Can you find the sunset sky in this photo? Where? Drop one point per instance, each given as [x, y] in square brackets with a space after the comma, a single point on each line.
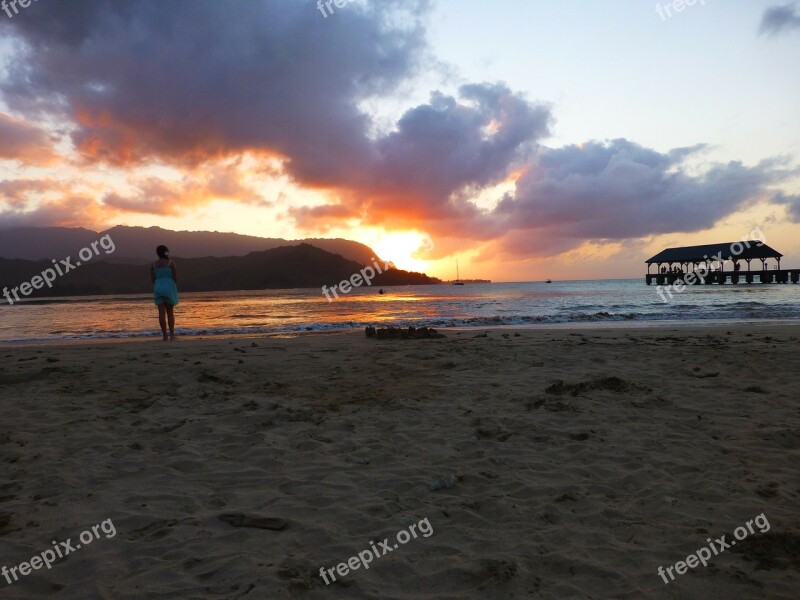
[527, 139]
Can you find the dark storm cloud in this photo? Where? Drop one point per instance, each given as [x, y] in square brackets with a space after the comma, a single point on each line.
[153, 79]
[441, 148]
[792, 204]
[184, 81]
[780, 18]
[438, 154]
[620, 190]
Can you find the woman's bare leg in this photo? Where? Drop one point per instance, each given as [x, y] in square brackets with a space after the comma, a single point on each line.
[162, 319]
[171, 315]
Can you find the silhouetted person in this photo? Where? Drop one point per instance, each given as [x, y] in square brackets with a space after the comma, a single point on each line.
[164, 276]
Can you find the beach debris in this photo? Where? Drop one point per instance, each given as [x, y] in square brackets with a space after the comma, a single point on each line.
[253, 522]
[445, 483]
[410, 333]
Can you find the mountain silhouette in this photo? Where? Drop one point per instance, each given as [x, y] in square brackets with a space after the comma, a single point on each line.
[139, 243]
[301, 266]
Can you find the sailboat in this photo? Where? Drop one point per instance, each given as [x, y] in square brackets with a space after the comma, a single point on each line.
[458, 277]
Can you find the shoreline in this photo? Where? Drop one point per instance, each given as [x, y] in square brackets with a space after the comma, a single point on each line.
[576, 327]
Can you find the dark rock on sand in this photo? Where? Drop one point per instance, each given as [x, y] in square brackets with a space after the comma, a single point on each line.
[411, 333]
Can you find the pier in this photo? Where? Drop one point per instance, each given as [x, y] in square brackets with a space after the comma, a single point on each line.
[719, 264]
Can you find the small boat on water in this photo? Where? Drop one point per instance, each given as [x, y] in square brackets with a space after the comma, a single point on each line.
[458, 277]
[549, 281]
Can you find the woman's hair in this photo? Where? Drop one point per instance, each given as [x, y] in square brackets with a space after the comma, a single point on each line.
[162, 251]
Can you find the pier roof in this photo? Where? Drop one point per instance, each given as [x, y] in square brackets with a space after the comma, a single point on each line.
[744, 250]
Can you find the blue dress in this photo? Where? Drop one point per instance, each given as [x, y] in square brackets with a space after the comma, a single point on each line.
[164, 289]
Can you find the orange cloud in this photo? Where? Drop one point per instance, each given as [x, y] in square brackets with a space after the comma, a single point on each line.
[210, 182]
[70, 211]
[23, 142]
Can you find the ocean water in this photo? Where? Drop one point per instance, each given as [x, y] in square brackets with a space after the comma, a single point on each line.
[533, 304]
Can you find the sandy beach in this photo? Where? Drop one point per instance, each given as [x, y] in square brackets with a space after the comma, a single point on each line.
[548, 464]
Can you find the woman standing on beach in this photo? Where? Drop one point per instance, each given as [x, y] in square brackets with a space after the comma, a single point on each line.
[164, 276]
